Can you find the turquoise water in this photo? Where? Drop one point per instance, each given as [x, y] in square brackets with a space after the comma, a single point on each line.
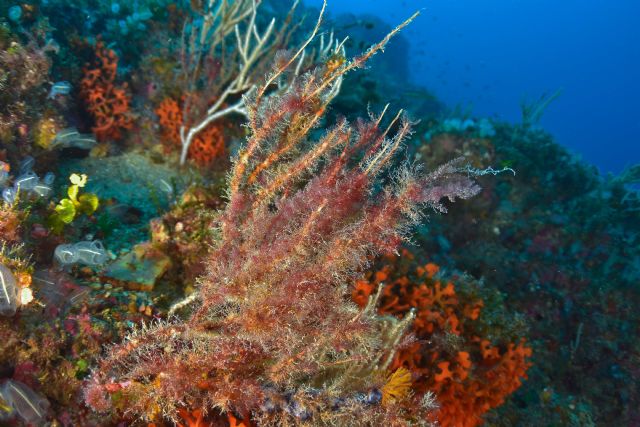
[487, 56]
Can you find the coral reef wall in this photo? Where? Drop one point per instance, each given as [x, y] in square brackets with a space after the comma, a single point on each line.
[197, 228]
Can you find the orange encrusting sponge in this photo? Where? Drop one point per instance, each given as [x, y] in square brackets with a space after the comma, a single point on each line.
[468, 381]
[107, 103]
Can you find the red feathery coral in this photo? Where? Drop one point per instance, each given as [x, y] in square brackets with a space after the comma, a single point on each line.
[272, 334]
[470, 376]
[107, 103]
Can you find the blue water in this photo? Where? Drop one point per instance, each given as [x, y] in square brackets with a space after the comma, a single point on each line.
[486, 55]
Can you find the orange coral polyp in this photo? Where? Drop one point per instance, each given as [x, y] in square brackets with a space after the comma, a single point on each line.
[234, 422]
[107, 103]
[170, 119]
[205, 148]
[431, 269]
[444, 373]
[468, 382]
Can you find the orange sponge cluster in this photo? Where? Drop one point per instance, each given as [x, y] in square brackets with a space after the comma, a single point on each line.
[207, 146]
[469, 375]
[107, 103]
[170, 118]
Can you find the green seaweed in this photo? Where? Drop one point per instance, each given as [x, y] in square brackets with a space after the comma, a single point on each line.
[72, 206]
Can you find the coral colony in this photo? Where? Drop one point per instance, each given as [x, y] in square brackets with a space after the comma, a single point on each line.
[197, 230]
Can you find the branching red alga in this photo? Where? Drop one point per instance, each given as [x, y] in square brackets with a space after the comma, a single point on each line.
[273, 338]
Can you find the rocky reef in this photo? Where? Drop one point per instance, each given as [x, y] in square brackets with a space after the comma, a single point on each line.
[201, 225]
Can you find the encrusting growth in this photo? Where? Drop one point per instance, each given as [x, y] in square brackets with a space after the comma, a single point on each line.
[274, 338]
[205, 148]
[107, 102]
[451, 358]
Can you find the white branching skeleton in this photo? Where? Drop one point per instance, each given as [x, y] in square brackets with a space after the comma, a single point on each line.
[228, 31]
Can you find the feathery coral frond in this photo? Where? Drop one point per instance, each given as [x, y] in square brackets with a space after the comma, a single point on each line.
[273, 333]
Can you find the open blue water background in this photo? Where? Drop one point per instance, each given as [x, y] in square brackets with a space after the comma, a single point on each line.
[486, 55]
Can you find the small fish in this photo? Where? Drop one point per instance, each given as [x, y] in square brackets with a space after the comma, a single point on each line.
[59, 88]
[85, 142]
[166, 187]
[72, 138]
[67, 133]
